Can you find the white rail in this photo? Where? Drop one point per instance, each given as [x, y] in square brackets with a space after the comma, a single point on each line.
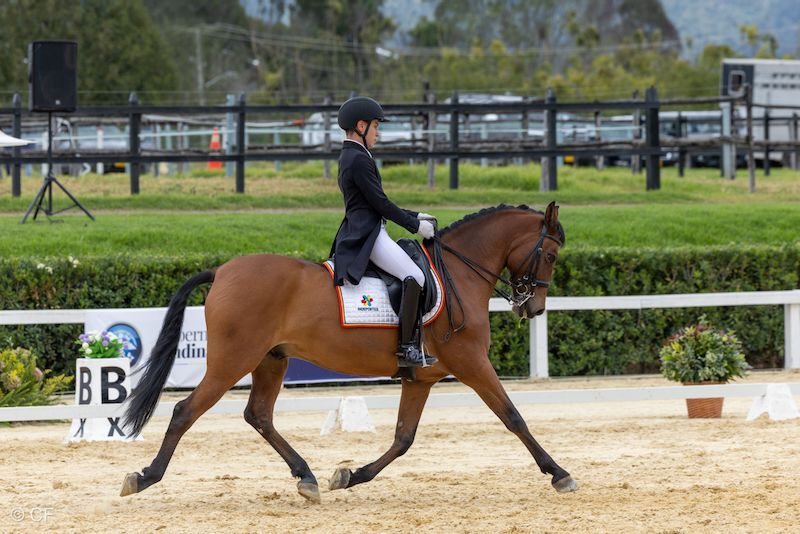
[441, 400]
[790, 300]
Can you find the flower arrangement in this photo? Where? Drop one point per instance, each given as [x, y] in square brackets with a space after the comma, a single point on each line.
[100, 345]
[24, 384]
[701, 353]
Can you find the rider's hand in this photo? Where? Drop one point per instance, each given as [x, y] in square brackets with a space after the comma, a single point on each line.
[425, 217]
[425, 229]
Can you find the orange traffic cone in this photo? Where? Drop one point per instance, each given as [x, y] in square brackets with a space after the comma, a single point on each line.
[214, 145]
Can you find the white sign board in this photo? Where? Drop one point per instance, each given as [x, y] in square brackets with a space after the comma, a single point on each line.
[139, 328]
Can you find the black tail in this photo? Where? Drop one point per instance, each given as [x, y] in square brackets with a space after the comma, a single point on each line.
[144, 398]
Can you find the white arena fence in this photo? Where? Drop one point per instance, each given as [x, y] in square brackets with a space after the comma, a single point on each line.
[790, 300]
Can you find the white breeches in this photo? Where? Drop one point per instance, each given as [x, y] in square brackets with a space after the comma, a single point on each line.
[388, 255]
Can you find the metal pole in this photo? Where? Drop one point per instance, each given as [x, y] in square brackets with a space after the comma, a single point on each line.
[16, 131]
[240, 148]
[766, 141]
[549, 179]
[636, 160]
[751, 162]
[431, 142]
[198, 61]
[454, 143]
[326, 164]
[652, 140]
[133, 143]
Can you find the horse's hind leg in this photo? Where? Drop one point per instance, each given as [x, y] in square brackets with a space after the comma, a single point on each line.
[185, 413]
[412, 401]
[267, 380]
[483, 379]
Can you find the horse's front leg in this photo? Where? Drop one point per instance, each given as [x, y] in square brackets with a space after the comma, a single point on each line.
[412, 401]
[483, 379]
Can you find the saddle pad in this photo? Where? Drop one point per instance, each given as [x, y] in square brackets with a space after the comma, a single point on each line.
[367, 305]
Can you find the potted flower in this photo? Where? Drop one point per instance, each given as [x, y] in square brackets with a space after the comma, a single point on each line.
[99, 345]
[702, 354]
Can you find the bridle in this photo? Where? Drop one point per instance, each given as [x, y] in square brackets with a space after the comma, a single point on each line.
[523, 288]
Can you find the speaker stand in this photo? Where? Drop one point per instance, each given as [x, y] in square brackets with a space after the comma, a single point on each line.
[46, 191]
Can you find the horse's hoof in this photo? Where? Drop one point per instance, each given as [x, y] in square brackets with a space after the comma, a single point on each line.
[566, 484]
[130, 484]
[310, 491]
[340, 479]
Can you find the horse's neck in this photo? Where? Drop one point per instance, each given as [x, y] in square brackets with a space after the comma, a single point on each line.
[485, 242]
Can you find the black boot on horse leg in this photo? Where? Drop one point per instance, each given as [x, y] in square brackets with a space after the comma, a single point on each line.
[409, 353]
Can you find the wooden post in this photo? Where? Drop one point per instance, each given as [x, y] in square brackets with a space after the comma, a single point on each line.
[431, 141]
[652, 140]
[134, 127]
[636, 160]
[793, 156]
[599, 161]
[751, 161]
[16, 131]
[549, 179]
[230, 101]
[766, 142]
[240, 142]
[681, 150]
[525, 127]
[454, 143]
[326, 164]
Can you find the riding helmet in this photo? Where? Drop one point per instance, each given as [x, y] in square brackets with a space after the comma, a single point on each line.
[359, 108]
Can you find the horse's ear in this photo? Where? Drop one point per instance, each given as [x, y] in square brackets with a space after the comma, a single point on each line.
[551, 215]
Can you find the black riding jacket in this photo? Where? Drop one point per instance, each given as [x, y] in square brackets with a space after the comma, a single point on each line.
[366, 207]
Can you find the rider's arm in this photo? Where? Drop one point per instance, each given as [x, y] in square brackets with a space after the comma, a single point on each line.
[368, 182]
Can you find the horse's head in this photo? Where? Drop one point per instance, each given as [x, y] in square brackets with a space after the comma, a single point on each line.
[531, 261]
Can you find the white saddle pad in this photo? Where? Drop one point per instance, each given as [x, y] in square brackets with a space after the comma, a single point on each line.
[367, 304]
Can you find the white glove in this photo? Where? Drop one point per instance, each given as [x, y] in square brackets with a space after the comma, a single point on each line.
[425, 216]
[425, 229]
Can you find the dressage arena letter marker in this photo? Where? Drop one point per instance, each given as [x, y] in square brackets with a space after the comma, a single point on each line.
[101, 381]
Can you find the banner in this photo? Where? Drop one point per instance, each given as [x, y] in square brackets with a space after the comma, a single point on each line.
[139, 328]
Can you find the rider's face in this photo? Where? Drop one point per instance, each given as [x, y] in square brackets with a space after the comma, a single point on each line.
[372, 134]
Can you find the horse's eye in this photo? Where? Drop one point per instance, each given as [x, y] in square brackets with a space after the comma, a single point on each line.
[551, 258]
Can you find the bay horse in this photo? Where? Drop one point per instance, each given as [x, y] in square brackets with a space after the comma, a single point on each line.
[262, 309]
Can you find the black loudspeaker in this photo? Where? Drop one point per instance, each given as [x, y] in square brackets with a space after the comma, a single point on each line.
[53, 75]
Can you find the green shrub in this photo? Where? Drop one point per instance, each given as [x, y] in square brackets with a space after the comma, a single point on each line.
[24, 384]
[701, 353]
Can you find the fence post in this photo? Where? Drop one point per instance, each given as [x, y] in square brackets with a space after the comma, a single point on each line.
[240, 148]
[134, 126]
[16, 131]
[326, 164]
[454, 142]
[538, 360]
[794, 160]
[652, 140]
[230, 101]
[599, 161]
[549, 179]
[681, 149]
[766, 142]
[751, 161]
[791, 329]
[431, 141]
[526, 124]
[636, 160]
[728, 165]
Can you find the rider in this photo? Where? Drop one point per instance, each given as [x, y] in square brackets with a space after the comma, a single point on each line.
[362, 235]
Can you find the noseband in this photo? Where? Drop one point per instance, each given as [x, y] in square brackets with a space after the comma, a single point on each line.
[524, 287]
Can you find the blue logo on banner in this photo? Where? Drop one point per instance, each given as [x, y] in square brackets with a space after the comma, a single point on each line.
[131, 340]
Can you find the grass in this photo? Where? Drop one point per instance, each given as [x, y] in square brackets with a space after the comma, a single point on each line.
[302, 186]
[308, 234]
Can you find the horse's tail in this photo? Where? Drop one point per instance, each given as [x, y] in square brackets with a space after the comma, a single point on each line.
[142, 402]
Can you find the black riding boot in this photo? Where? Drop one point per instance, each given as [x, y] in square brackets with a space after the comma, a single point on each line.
[408, 351]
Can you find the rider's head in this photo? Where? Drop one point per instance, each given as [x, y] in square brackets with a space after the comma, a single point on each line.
[359, 117]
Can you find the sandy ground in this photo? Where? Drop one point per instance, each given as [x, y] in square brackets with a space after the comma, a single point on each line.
[642, 467]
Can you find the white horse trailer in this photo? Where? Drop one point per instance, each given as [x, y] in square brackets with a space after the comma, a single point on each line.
[774, 82]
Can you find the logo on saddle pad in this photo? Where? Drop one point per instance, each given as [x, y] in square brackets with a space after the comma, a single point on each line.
[366, 301]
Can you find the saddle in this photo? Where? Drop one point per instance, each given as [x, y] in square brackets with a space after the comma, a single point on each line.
[394, 285]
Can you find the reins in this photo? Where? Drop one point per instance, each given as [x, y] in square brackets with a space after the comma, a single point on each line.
[522, 288]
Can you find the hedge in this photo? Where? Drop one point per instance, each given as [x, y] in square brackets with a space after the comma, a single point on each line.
[581, 343]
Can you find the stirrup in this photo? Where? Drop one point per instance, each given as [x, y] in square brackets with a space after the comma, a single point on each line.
[411, 356]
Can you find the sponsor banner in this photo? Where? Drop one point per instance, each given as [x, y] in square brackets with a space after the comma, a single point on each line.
[139, 328]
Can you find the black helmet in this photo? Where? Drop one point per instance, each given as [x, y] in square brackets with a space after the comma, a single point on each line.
[359, 108]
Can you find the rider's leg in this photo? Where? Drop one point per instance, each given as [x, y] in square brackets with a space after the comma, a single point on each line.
[388, 255]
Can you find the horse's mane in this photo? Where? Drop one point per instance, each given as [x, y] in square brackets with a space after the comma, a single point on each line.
[495, 209]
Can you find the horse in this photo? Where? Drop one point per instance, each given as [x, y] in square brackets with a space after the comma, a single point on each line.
[263, 309]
